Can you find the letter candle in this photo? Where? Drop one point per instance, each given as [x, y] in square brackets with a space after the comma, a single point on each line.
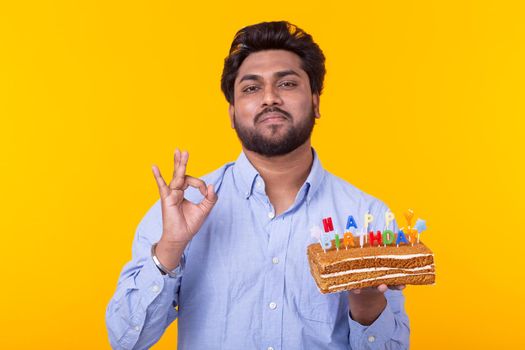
[420, 226]
[348, 239]
[377, 237]
[326, 238]
[330, 234]
[368, 219]
[326, 241]
[405, 235]
[412, 235]
[328, 225]
[389, 217]
[315, 232]
[409, 214]
[350, 222]
[388, 237]
[401, 238]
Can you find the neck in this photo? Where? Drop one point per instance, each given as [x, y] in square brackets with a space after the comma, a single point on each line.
[283, 175]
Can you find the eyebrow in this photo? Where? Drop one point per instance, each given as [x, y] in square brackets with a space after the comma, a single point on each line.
[277, 75]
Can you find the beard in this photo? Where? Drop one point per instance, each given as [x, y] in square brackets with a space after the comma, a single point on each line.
[275, 145]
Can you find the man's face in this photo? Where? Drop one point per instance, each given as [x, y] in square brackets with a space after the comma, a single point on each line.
[274, 109]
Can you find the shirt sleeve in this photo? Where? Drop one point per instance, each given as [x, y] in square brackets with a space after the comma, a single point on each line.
[390, 330]
[145, 301]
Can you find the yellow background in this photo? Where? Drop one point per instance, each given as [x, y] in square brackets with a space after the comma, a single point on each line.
[423, 108]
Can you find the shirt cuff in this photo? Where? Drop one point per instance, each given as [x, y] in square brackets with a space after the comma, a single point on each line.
[373, 336]
[177, 271]
[154, 289]
[152, 282]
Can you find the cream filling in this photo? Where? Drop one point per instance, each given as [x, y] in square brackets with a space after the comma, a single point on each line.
[395, 275]
[373, 269]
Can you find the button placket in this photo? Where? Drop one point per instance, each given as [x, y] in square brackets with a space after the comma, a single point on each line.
[274, 282]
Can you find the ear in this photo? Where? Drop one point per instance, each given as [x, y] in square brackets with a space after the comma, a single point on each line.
[315, 102]
[231, 112]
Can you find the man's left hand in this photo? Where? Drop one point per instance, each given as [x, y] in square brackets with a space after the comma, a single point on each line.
[366, 304]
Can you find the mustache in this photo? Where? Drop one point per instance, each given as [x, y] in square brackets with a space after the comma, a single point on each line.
[271, 110]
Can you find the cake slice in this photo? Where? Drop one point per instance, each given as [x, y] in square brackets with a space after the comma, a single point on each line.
[356, 267]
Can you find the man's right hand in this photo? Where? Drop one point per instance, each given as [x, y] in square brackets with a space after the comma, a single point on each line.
[181, 219]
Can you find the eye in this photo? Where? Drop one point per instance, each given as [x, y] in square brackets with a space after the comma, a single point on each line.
[288, 84]
[250, 89]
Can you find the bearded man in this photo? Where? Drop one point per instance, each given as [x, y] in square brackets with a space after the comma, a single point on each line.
[226, 254]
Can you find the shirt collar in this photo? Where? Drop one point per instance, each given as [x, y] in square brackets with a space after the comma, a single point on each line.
[245, 176]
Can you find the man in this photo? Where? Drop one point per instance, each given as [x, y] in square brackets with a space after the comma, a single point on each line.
[226, 254]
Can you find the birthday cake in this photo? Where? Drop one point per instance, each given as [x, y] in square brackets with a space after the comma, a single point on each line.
[368, 261]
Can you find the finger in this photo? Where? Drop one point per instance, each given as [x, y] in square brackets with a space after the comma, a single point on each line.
[212, 195]
[208, 201]
[197, 183]
[180, 173]
[356, 291]
[398, 287]
[161, 184]
[176, 162]
[382, 288]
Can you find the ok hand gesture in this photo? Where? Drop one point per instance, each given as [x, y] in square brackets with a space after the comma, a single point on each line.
[181, 218]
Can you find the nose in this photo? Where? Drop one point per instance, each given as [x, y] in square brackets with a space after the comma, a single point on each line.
[271, 97]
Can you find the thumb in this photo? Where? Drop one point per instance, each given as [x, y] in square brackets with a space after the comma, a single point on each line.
[209, 200]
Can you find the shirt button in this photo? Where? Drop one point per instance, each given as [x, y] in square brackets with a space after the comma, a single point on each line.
[371, 339]
[271, 215]
[155, 288]
[275, 260]
[272, 305]
[136, 328]
[270, 348]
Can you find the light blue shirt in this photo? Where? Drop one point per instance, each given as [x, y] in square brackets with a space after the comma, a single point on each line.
[244, 281]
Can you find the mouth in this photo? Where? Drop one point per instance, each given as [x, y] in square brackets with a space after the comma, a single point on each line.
[272, 118]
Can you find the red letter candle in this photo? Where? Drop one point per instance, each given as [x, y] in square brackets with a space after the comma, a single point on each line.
[377, 237]
[328, 225]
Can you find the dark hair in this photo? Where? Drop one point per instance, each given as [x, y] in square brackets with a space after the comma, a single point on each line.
[273, 36]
